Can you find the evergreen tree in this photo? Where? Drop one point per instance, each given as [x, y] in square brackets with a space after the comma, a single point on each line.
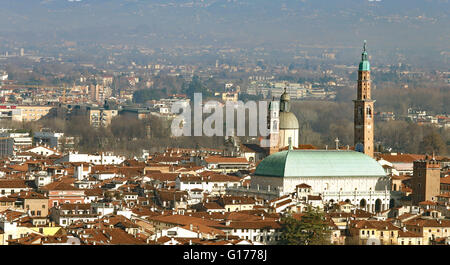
[311, 229]
[196, 86]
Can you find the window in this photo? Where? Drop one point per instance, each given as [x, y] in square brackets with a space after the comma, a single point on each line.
[171, 233]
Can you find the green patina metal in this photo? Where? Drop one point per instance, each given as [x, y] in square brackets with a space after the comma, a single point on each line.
[319, 163]
[364, 65]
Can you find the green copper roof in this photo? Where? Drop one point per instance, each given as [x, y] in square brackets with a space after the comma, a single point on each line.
[316, 163]
[364, 65]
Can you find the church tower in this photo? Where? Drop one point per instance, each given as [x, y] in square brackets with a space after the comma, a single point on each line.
[363, 112]
[273, 121]
[283, 125]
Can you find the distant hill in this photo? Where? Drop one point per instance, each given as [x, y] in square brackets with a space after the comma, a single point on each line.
[390, 23]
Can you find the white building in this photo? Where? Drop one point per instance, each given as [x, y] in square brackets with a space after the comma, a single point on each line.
[42, 179]
[215, 184]
[42, 150]
[334, 175]
[54, 140]
[102, 159]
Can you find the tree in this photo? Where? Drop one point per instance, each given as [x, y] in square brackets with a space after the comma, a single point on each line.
[143, 95]
[196, 86]
[433, 143]
[311, 229]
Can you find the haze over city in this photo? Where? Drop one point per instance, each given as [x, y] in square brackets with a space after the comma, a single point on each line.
[130, 122]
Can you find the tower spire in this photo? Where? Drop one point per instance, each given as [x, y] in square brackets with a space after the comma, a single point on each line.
[364, 65]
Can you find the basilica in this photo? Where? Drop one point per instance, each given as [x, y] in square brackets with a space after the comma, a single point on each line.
[334, 175]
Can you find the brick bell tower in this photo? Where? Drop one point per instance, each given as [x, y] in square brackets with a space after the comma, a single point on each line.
[363, 112]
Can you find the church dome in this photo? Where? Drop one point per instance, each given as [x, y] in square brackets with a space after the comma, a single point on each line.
[288, 121]
[319, 163]
[285, 97]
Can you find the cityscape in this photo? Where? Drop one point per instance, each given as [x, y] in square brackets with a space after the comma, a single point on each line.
[357, 149]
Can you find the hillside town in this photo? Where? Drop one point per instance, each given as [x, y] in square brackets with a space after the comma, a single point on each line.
[107, 138]
[52, 194]
[185, 196]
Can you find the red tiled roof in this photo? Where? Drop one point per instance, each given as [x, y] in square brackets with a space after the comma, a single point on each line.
[445, 180]
[254, 225]
[429, 222]
[402, 233]
[13, 184]
[60, 185]
[303, 185]
[225, 160]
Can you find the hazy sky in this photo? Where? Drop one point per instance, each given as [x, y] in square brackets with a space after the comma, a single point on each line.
[420, 26]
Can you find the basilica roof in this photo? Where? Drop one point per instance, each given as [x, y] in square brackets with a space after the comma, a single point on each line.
[317, 163]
